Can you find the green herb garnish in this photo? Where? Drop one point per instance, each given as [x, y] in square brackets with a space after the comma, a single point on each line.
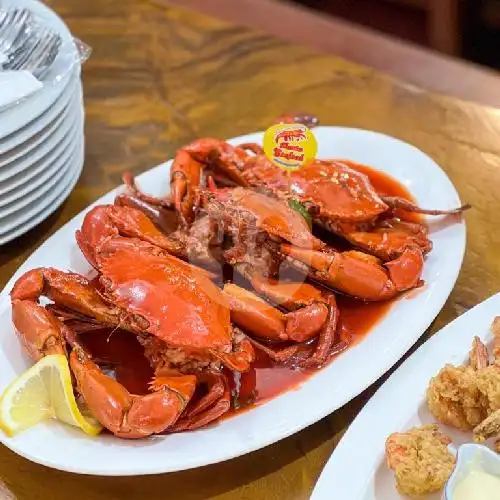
[301, 209]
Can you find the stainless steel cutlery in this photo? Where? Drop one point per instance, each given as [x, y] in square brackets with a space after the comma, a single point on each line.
[25, 44]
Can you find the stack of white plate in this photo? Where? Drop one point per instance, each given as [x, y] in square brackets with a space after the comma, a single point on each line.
[41, 139]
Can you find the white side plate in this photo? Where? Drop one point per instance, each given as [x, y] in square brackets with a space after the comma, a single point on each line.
[362, 446]
[30, 152]
[42, 209]
[42, 170]
[322, 394]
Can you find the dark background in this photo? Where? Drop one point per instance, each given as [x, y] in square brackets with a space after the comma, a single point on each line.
[475, 30]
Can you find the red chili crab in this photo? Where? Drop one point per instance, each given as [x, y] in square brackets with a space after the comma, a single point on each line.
[247, 214]
[42, 333]
[337, 196]
[289, 237]
[255, 219]
[307, 318]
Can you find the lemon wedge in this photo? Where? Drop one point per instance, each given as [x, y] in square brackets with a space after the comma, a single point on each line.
[42, 392]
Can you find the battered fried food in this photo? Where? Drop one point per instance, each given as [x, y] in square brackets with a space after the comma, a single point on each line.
[464, 396]
[420, 459]
[489, 427]
[454, 398]
[488, 382]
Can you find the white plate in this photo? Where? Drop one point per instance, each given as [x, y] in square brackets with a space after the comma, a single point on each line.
[322, 394]
[56, 79]
[18, 186]
[58, 171]
[20, 211]
[21, 152]
[42, 210]
[30, 132]
[362, 446]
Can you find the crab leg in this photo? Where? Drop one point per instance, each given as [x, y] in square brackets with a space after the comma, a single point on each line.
[278, 355]
[326, 339]
[241, 357]
[184, 179]
[129, 180]
[129, 415]
[406, 205]
[388, 239]
[358, 274]
[253, 147]
[209, 408]
[197, 240]
[192, 159]
[107, 221]
[165, 219]
[69, 290]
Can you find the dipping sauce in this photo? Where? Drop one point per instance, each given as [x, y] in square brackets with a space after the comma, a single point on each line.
[477, 485]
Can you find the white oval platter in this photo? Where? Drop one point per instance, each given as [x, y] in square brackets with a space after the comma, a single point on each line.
[287, 414]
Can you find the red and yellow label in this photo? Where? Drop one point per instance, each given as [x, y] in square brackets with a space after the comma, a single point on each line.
[290, 146]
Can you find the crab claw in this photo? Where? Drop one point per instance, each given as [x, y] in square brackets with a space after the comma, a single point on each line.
[265, 321]
[40, 332]
[389, 239]
[358, 274]
[221, 156]
[241, 358]
[185, 175]
[109, 221]
[210, 407]
[189, 163]
[405, 271]
[129, 415]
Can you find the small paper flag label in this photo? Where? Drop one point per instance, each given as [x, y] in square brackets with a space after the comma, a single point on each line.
[290, 146]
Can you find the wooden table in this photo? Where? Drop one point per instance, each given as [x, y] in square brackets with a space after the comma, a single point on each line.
[424, 68]
[160, 76]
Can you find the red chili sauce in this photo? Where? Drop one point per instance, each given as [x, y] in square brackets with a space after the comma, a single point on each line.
[264, 380]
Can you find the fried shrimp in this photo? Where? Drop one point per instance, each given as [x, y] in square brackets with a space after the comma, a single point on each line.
[464, 396]
[454, 398]
[420, 460]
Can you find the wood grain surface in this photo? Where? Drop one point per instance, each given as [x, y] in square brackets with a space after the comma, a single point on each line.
[161, 76]
[399, 58]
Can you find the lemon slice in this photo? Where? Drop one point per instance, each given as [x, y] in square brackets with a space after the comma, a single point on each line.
[42, 392]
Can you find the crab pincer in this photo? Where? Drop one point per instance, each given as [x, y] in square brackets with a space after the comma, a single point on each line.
[124, 414]
[129, 415]
[356, 273]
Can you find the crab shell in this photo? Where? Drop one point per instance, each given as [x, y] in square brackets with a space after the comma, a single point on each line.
[339, 191]
[270, 215]
[180, 303]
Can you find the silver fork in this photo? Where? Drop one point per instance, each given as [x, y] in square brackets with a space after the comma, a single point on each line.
[47, 51]
[15, 26]
[36, 54]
